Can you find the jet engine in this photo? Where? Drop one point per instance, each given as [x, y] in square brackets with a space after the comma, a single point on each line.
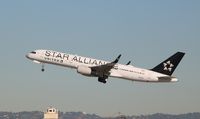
[84, 70]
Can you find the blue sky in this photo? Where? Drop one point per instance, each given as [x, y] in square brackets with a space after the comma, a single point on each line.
[146, 32]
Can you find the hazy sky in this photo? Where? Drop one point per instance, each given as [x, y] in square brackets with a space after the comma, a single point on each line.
[145, 32]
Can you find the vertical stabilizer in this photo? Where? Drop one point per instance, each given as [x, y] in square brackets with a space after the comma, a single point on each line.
[169, 65]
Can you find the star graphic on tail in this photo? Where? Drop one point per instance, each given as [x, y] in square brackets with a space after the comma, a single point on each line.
[168, 66]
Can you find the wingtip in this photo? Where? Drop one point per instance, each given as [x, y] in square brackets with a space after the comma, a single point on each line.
[129, 62]
[117, 59]
[119, 55]
[181, 52]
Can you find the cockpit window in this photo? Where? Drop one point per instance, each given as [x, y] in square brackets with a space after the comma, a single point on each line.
[33, 52]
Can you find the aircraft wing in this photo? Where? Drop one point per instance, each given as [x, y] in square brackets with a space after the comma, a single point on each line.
[103, 70]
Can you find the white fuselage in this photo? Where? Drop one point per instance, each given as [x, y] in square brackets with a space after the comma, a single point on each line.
[128, 72]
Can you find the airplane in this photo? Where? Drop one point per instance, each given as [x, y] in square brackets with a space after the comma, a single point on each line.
[103, 69]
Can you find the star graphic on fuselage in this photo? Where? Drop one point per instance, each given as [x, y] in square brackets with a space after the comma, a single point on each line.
[168, 66]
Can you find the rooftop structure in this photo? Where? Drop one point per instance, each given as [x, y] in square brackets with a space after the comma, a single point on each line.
[51, 113]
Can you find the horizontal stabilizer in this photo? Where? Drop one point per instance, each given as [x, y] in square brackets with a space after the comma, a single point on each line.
[167, 79]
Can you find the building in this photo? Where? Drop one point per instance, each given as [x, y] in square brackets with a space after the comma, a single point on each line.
[51, 113]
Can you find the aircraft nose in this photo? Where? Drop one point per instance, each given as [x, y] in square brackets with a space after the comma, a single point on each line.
[27, 56]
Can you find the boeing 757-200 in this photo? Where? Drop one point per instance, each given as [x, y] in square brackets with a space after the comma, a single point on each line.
[103, 69]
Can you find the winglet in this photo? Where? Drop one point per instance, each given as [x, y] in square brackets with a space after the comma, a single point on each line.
[128, 62]
[117, 59]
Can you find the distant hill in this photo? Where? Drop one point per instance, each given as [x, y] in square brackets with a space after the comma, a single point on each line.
[195, 115]
[81, 115]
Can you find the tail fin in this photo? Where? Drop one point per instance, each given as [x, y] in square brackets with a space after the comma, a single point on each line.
[169, 65]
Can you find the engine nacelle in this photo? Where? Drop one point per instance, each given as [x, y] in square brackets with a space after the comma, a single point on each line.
[84, 70]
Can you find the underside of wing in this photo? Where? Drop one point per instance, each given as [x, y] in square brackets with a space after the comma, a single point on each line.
[103, 71]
